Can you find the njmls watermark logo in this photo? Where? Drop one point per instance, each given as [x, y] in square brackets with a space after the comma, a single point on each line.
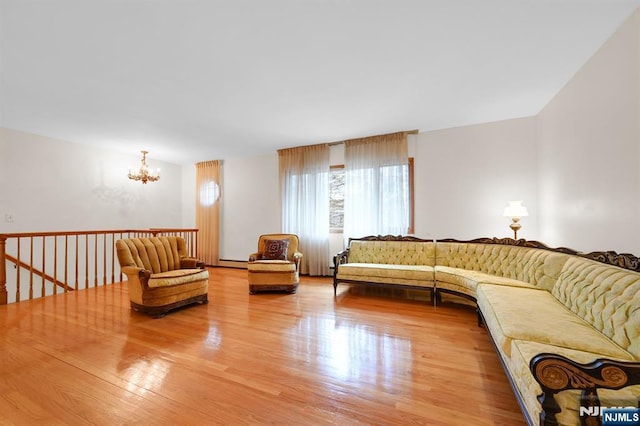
[613, 416]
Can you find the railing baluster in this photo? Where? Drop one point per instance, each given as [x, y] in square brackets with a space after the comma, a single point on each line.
[43, 289]
[113, 256]
[66, 259]
[55, 260]
[86, 261]
[18, 273]
[30, 268]
[3, 271]
[76, 279]
[95, 260]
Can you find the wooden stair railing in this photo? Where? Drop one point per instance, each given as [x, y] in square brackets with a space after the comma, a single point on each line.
[64, 261]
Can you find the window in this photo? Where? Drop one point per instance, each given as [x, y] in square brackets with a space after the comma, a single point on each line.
[209, 193]
[336, 198]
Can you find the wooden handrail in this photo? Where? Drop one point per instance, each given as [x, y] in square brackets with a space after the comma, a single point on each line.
[134, 232]
[39, 273]
[76, 259]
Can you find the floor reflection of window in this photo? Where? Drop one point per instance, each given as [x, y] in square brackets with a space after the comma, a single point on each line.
[214, 339]
[354, 352]
[147, 375]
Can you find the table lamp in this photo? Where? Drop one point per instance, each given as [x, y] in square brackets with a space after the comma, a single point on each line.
[515, 210]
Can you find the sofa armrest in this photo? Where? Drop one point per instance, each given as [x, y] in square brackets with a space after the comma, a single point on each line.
[135, 272]
[556, 373]
[339, 259]
[297, 257]
[254, 256]
[131, 270]
[191, 263]
[137, 281]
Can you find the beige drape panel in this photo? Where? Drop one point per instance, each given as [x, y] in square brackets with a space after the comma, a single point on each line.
[376, 186]
[304, 192]
[208, 190]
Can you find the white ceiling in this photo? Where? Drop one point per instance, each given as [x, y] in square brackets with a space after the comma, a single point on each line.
[194, 80]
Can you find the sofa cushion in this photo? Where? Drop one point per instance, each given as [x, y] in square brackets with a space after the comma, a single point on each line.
[177, 276]
[419, 275]
[468, 280]
[275, 250]
[522, 352]
[271, 266]
[517, 313]
[605, 296]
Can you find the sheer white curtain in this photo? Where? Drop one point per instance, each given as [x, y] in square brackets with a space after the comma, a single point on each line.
[304, 186]
[376, 198]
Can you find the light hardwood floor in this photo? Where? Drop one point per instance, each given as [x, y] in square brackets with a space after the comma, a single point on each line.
[307, 358]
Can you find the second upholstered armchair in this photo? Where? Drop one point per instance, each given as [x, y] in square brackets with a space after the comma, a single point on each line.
[276, 264]
[160, 275]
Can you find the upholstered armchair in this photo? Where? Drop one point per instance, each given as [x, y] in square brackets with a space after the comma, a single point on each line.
[276, 264]
[160, 275]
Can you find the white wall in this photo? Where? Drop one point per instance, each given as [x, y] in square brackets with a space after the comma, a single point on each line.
[189, 196]
[465, 176]
[589, 146]
[250, 204]
[53, 185]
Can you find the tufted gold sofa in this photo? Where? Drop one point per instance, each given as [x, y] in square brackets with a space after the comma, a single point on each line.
[160, 275]
[405, 262]
[566, 325]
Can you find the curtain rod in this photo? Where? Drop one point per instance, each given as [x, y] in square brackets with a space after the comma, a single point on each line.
[409, 132]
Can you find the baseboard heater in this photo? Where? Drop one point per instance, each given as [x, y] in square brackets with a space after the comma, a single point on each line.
[230, 263]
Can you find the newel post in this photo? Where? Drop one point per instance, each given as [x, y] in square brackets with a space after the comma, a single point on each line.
[3, 271]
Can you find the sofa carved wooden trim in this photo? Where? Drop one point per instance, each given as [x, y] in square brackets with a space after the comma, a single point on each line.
[160, 275]
[556, 373]
[565, 324]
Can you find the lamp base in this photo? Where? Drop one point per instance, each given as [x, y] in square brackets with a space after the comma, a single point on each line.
[515, 226]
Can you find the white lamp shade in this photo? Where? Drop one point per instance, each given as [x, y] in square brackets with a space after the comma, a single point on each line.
[515, 209]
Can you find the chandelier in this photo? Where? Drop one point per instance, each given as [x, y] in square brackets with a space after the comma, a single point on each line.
[143, 174]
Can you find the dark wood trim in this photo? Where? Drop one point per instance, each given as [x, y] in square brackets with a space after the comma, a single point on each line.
[510, 242]
[556, 373]
[622, 260]
[282, 288]
[431, 289]
[456, 293]
[160, 311]
[390, 238]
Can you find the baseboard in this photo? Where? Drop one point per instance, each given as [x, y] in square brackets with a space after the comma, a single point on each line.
[227, 263]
